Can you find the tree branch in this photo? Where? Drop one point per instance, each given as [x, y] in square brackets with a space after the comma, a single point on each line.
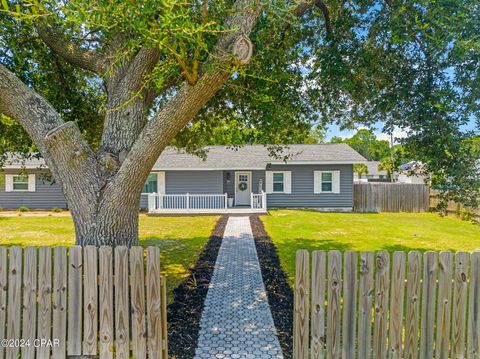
[43, 124]
[86, 59]
[233, 49]
[304, 6]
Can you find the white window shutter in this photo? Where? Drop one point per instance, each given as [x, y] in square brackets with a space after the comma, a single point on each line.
[317, 181]
[336, 181]
[8, 183]
[287, 182]
[31, 183]
[161, 182]
[269, 181]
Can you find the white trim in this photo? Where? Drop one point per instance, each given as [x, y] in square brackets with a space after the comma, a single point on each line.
[30, 183]
[210, 169]
[249, 185]
[287, 182]
[317, 181]
[300, 162]
[161, 182]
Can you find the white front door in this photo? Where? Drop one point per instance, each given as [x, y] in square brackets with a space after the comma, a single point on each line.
[243, 188]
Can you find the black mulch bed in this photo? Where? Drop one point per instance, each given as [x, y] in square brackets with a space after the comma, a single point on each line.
[280, 294]
[184, 313]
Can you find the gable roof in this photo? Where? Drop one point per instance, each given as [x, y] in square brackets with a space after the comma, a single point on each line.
[249, 157]
[373, 168]
[257, 157]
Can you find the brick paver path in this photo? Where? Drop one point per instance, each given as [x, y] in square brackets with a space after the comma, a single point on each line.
[236, 320]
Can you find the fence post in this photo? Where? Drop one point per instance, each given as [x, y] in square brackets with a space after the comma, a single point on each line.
[151, 202]
[264, 200]
[226, 201]
[301, 306]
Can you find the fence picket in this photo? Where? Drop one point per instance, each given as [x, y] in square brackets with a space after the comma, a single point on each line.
[459, 311]
[301, 305]
[349, 304]
[122, 334]
[44, 299]
[365, 293]
[106, 302]
[396, 306]
[3, 296]
[90, 301]
[59, 301]
[333, 306]
[137, 296]
[427, 326]
[75, 290]
[444, 305]
[29, 316]
[412, 314]
[318, 305]
[154, 314]
[473, 323]
[382, 266]
[14, 300]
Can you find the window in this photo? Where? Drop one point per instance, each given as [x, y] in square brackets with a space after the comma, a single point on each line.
[278, 182]
[151, 185]
[20, 183]
[327, 181]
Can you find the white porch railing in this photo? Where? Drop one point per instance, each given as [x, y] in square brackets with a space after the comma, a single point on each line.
[159, 202]
[258, 200]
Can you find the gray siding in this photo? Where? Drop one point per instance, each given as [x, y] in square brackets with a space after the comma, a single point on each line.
[47, 195]
[302, 188]
[195, 182]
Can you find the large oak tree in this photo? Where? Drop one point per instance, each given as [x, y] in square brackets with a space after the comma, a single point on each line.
[102, 87]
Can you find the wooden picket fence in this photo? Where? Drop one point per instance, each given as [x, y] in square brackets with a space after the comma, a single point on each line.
[97, 302]
[390, 197]
[379, 308]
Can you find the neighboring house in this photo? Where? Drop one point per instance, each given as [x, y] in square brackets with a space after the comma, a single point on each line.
[412, 172]
[312, 176]
[373, 175]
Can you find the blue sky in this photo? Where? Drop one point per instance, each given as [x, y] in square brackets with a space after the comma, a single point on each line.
[334, 130]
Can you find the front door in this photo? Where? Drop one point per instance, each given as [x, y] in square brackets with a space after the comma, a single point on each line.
[243, 188]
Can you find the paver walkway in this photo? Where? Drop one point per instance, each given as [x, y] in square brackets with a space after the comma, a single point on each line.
[236, 320]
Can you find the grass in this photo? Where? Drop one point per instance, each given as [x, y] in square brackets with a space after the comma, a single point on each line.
[291, 230]
[181, 239]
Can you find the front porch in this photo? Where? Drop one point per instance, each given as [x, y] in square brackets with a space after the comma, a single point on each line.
[188, 203]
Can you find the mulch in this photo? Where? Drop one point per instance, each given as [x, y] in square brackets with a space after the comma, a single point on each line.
[280, 294]
[184, 313]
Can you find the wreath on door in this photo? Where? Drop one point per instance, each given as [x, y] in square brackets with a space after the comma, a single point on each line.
[242, 186]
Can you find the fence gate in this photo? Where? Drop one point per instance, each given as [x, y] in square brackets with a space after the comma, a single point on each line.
[103, 302]
[368, 305]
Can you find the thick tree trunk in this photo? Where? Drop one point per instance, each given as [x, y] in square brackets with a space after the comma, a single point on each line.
[111, 224]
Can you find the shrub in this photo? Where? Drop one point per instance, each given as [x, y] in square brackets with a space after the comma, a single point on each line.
[57, 210]
[23, 209]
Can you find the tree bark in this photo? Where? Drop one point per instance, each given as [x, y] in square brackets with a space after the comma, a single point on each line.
[103, 188]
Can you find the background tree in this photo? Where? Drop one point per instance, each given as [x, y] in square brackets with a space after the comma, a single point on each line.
[365, 142]
[360, 169]
[101, 88]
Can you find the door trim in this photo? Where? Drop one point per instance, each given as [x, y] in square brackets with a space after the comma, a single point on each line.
[249, 186]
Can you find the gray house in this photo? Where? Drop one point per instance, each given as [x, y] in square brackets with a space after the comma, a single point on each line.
[245, 179]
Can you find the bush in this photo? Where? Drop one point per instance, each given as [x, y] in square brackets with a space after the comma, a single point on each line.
[23, 209]
[57, 210]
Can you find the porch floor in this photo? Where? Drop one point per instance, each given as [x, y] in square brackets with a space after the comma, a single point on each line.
[232, 210]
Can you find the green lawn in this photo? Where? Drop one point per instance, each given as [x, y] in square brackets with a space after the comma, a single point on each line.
[180, 239]
[296, 229]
